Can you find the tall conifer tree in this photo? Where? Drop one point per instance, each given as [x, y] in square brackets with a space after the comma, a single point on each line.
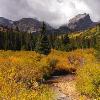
[43, 44]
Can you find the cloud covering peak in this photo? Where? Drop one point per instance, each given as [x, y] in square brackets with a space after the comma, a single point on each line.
[54, 12]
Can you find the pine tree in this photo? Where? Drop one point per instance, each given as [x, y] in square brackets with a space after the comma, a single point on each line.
[43, 45]
[65, 43]
[66, 39]
[5, 41]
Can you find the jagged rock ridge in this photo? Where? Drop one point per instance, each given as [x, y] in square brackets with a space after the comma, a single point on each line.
[30, 25]
[80, 22]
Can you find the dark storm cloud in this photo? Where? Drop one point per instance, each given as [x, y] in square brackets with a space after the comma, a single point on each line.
[55, 12]
[14, 8]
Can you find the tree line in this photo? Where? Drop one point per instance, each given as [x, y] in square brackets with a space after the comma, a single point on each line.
[43, 42]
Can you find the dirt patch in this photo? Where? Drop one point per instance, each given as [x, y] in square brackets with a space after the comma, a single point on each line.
[64, 87]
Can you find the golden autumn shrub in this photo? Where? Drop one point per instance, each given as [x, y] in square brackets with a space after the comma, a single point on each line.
[88, 80]
[22, 72]
[88, 76]
[19, 73]
[71, 61]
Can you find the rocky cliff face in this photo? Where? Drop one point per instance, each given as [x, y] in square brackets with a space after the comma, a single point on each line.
[28, 25]
[80, 22]
[5, 22]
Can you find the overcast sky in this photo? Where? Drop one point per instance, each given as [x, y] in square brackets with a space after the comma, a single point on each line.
[54, 12]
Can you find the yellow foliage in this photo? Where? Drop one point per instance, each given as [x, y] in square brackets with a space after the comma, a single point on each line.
[21, 71]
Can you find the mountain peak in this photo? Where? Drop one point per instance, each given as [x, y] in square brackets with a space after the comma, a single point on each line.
[5, 22]
[29, 25]
[79, 16]
[80, 22]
